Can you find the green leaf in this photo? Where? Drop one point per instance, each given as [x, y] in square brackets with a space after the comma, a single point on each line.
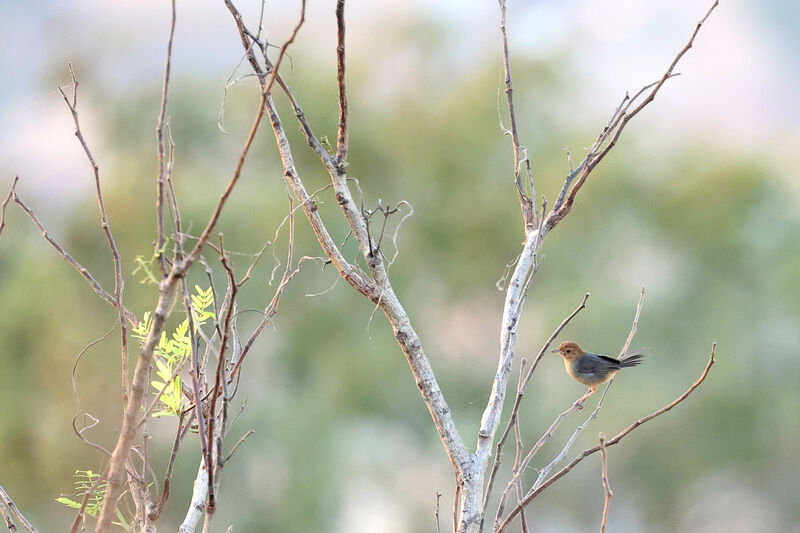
[163, 368]
[68, 502]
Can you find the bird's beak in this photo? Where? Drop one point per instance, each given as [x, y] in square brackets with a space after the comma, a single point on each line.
[556, 351]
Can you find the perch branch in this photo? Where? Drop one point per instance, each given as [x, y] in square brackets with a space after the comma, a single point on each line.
[589, 451]
[498, 456]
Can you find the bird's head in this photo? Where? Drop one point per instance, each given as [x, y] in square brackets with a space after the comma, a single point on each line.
[569, 350]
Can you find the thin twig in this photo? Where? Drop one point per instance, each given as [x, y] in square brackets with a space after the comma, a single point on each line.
[175, 212]
[183, 429]
[272, 308]
[436, 514]
[522, 465]
[98, 289]
[606, 486]
[634, 325]
[518, 454]
[614, 130]
[238, 443]
[160, 147]
[341, 136]
[166, 291]
[589, 451]
[196, 372]
[5, 203]
[7, 518]
[119, 283]
[217, 388]
[79, 432]
[526, 204]
[79, 523]
[579, 404]
[6, 500]
[498, 457]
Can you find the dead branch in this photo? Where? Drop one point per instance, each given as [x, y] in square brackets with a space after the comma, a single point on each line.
[555, 477]
[5, 203]
[341, 136]
[166, 291]
[98, 289]
[543, 472]
[613, 131]
[606, 486]
[119, 283]
[378, 289]
[498, 457]
[160, 147]
[7, 502]
[526, 202]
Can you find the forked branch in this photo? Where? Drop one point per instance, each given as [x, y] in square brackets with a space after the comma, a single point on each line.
[611, 442]
[611, 133]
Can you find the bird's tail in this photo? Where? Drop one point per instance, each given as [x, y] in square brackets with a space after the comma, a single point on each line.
[633, 358]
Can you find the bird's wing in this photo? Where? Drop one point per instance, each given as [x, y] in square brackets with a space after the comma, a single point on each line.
[591, 363]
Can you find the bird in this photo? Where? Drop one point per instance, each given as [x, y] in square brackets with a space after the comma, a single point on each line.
[592, 369]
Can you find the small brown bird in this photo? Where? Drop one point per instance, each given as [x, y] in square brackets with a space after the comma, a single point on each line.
[592, 369]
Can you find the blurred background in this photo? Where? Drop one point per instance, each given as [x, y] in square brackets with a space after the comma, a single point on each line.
[698, 202]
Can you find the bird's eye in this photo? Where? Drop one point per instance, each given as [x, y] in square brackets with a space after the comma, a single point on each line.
[568, 350]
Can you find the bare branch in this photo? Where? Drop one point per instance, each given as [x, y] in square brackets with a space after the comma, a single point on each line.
[79, 411]
[181, 432]
[166, 291]
[606, 486]
[69, 259]
[5, 203]
[555, 477]
[272, 308]
[522, 465]
[341, 137]
[436, 514]
[7, 518]
[614, 130]
[634, 325]
[498, 456]
[5, 500]
[525, 201]
[175, 212]
[160, 146]
[218, 380]
[512, 309]
[198, 501]
[238, 443]
[119, 283]
[379, 290]
[543, 472]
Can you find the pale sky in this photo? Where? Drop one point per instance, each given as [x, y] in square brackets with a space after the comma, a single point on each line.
[738, 83]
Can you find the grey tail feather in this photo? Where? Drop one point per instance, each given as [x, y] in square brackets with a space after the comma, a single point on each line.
[631, 359]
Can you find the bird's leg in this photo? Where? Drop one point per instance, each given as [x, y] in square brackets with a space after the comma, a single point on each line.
[580, 401]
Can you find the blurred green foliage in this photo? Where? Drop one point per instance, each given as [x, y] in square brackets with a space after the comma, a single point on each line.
[340, 429]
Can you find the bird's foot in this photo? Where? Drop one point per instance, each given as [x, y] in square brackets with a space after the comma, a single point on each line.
[579, 403]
